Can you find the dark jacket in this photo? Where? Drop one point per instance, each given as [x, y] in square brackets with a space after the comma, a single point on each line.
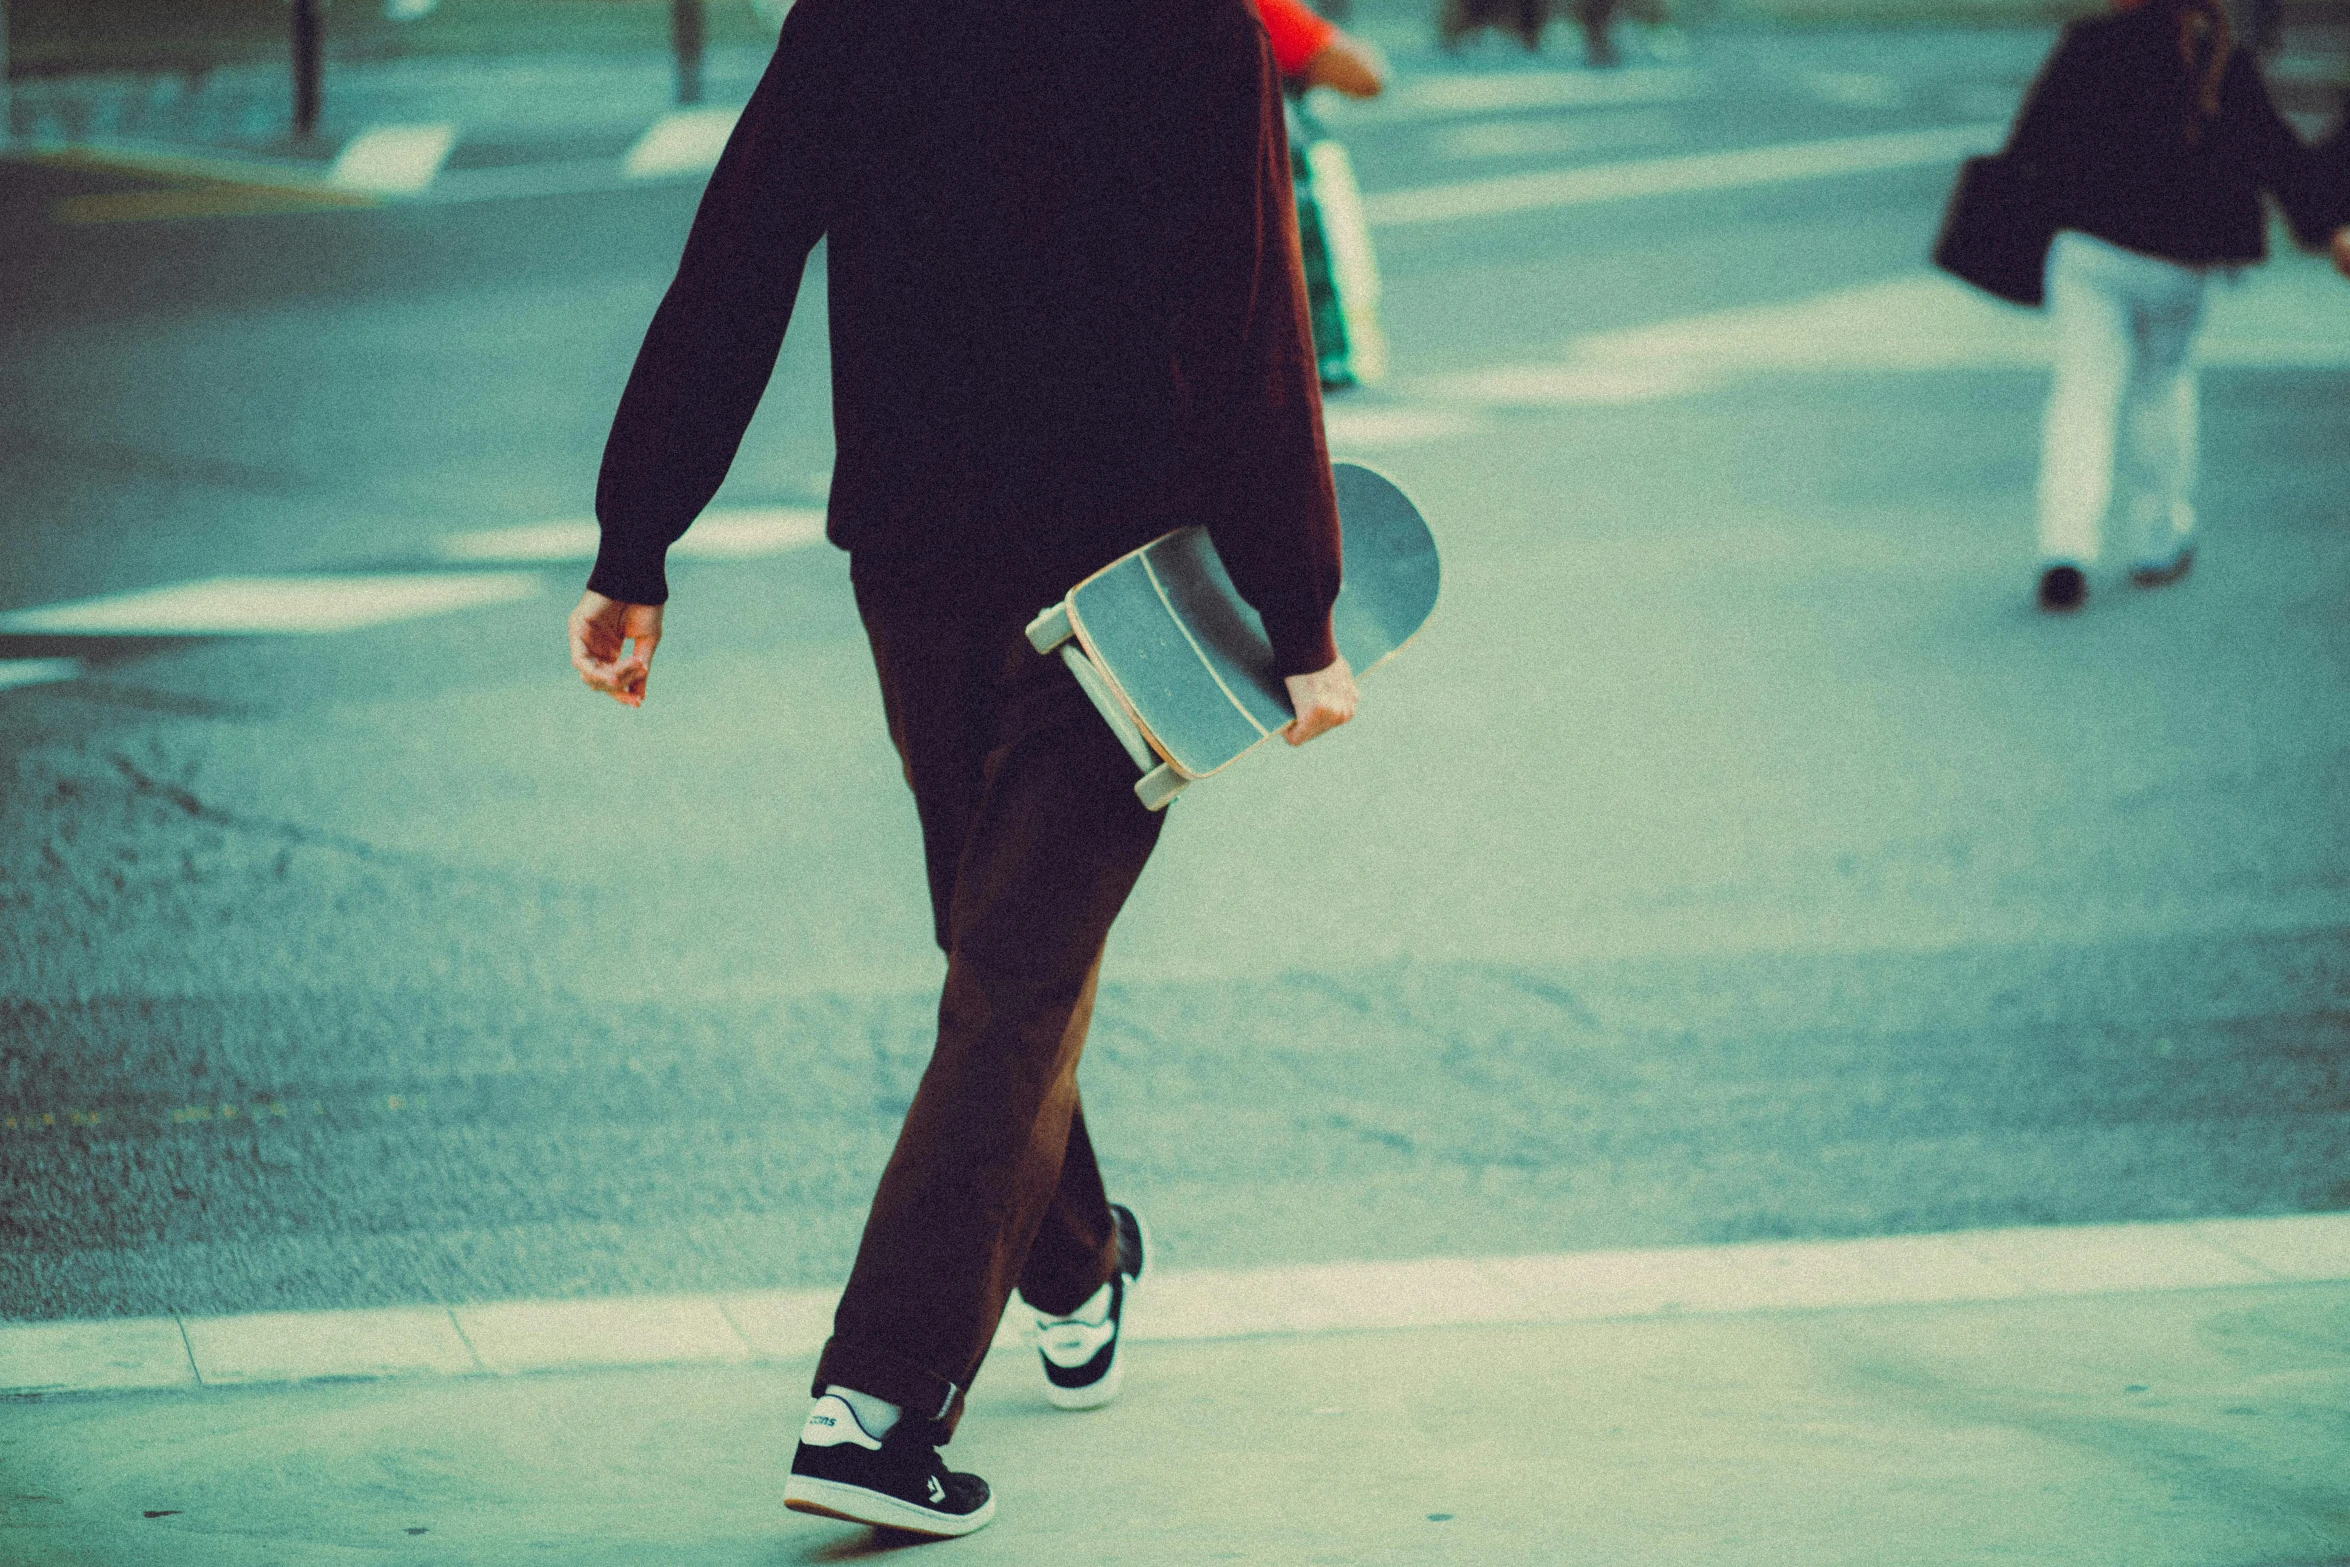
[1067, 312]
[2105, 132]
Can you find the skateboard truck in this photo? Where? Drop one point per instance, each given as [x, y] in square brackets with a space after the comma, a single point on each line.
[1176, 660]
[1160, 782]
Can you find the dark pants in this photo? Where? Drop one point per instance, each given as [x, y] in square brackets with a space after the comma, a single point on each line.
[1033, 838]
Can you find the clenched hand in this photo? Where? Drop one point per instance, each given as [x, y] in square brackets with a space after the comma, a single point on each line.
[599, 627]
[1322, 701]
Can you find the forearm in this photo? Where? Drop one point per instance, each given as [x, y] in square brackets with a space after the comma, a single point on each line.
[711, 348]
[1270, 505]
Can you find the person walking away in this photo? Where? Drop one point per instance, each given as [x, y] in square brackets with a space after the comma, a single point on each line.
[1456, 20]
[2153, 137]
[1067, 316]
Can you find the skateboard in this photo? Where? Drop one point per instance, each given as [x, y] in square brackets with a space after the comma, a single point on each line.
[1177, 662]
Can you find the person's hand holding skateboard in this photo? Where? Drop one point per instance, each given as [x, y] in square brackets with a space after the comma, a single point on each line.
[598, 628]
[1322, 701]
[2341, 250]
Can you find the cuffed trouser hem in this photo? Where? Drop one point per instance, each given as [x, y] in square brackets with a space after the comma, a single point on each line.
[923, 1395]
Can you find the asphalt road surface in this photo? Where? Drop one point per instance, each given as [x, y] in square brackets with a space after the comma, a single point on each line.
[1737, 855]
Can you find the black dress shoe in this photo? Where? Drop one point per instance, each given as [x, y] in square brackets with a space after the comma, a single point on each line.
[2063, 588]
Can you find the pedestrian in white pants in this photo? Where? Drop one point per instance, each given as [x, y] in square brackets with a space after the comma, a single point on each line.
[2122, 413]
[2149, 141]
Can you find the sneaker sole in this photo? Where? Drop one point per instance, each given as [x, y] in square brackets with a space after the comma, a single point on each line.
[1092, 1397]
[855, 1504]
[1106, 1389]
[2162, 576]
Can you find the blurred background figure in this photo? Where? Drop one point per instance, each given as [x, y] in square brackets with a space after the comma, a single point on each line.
[2151, 136]
[1312, 51]
[1456, 20]
[1342, 270]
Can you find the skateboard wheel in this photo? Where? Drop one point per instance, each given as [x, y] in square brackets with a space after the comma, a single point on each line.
[1159, 786]
[1050, 629]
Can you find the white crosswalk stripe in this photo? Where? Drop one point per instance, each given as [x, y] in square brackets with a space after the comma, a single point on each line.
[1546, 137]
[2291, 314]
[739, 533]
[1545, 190]
[393, 160]
[36, 671]
[1855, 89]
[1453, 95]
[264, 606]
[687, 142]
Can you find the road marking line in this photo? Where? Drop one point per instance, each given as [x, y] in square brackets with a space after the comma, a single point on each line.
[1363, 429]
[393, 160]
[687, 141]
[263, 606]
[1506, 92]
[1966, 1267]
[2291, 313]
[1549, 138]
[1687, 174]
[36, 671]
[1855, 89]
[1569, 385]
[736, 533]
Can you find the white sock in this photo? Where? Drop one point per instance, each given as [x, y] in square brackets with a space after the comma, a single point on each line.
[876, 1415]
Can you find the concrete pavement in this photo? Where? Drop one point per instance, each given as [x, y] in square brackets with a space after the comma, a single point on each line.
[2192, 1427]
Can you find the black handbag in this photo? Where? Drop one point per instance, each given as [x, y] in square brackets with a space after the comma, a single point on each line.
[1997, 229]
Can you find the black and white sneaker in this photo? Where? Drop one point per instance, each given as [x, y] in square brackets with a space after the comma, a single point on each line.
[895, 1482]
[1080, 1353]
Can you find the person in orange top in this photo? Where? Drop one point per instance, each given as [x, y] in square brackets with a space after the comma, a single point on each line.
[1311, 49]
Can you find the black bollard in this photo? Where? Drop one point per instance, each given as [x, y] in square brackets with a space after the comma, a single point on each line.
[309, 40]
[685, 31]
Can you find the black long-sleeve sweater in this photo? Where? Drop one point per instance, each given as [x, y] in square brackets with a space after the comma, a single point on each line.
[1067, 310]
[2105, 129]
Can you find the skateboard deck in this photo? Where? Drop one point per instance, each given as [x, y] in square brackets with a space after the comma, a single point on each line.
[1177, 662]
